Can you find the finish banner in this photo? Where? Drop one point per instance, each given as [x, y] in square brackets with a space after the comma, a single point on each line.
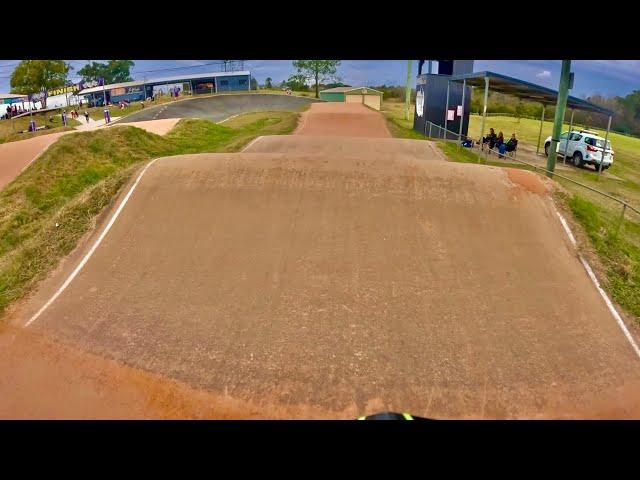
[62, 90]
[76, 87]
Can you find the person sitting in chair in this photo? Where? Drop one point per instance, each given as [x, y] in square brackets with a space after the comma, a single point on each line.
[512, 143]
[499, 145]
[490, 139]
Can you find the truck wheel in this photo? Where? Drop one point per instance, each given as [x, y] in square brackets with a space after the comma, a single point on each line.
[577, 159]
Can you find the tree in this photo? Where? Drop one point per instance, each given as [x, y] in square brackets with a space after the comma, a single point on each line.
[114, 71]
[31, 76]
[317, 70]
[297, 83]
[267, 83]
[254, 84]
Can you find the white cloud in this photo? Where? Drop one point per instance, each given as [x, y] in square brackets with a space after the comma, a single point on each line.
[544, 74]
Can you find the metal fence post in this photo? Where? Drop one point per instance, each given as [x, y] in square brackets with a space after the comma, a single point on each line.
[464, 89]
[566, 145]
[446, 111]
[540, 133]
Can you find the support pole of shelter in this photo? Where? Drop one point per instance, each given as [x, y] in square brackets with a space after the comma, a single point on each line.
[464, 89]
[544, 107]
[484, 108]
[561, 105]
[407, 93]
[430, 65]
[446, 111]
[604, 148]
[566, 145]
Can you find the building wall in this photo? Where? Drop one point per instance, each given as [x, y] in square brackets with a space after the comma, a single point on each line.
[353, 98]
[433, 89]
[373, 101]
[233, 83]
[129, 97]
[332, 96]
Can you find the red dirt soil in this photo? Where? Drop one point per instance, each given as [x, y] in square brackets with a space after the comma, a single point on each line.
[343, 120]
[159, 127]
[302, 280]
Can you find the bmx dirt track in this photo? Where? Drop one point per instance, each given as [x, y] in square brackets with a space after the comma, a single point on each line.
[313, 277]
[220, 107]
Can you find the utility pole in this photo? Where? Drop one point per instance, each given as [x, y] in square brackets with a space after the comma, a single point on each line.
[561, 105]
[407, 94]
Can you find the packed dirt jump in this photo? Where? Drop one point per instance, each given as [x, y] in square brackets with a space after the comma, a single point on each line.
[16, 156]
[327, 274]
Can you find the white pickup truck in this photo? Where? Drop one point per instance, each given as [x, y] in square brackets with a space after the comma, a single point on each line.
[583, 148]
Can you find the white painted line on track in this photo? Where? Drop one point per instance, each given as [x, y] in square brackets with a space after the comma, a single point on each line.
[612, 309]
[565, 225]
[99, 240]
[228, 118]
[602, 293]
[252, 142]
[93, 248]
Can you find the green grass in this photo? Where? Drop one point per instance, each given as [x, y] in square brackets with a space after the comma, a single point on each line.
[618, 247]
[616, 244]
[398, 125]
[12, 132]
[78, 176]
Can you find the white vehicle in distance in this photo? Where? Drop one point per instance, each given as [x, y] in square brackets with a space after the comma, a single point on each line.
[583, 148]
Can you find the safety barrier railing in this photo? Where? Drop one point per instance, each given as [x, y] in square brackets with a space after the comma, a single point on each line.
[439, 132]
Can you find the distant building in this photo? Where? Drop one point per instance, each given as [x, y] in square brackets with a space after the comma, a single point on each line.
[139, 90]
[365, 95]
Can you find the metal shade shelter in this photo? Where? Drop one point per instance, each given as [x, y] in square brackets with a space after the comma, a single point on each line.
[529, 91]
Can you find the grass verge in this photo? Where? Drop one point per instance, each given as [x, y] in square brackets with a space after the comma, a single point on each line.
[618, 247]
[54, 202]
[10, 129]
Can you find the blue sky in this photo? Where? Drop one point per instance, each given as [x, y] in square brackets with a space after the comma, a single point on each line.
[604, 77]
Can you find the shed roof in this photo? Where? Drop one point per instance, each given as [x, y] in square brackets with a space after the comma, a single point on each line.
[348, 89]
[157, 81]
[196, 76]
[6, 96]
[110, 87]
[526, 90]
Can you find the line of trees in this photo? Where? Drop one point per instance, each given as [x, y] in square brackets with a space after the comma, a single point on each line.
[626, 110]
[114, 71]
